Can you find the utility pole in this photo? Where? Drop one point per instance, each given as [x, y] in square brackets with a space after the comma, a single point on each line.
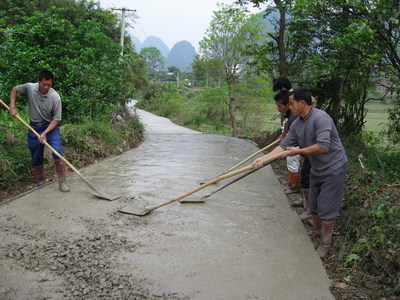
[122, 38]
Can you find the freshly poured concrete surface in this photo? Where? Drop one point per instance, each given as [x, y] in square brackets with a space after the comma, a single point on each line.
[245, 242]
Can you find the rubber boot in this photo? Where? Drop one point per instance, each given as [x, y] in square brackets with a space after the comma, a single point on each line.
[293, 180]
[317, 222]
[61, 174]
[38, 175]
[326, 237]
[306, 194]
[306, 214]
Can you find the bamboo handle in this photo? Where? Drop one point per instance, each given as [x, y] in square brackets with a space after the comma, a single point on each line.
[224, 176]
[254, 154]
[52, 149]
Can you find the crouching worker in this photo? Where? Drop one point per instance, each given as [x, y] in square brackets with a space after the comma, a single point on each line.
[314, 135]
[44, 108]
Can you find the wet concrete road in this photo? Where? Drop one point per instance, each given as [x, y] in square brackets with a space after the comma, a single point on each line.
[245, 242]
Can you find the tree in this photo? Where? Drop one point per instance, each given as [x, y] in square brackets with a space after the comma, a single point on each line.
[90, 75]
[231, 31]
[153, 58]
[344, 59]
[208, 71]
[273, 53]
[13, 12]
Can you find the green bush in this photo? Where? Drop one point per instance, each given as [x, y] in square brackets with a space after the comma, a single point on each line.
[90, 74]
[14, 152]
[371, 209]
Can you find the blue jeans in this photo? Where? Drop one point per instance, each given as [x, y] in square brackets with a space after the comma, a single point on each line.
[37, 148]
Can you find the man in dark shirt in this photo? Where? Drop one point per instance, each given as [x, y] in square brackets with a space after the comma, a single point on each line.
[283, 86]
[292, 162]
[314, 134]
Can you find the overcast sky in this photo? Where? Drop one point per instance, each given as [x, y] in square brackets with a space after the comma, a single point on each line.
[171, 20]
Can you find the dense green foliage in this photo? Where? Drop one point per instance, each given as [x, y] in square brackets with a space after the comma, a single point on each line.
[339, 49]
[90, 74]
[154, 60]
[79, 43]
[371, 210]
[14, 152]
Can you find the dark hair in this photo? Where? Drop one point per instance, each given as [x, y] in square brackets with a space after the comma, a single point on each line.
[45, 74]
[280, 83]
[302, 94]
[282, 97]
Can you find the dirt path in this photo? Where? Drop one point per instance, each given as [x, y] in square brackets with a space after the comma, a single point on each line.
[244, 243]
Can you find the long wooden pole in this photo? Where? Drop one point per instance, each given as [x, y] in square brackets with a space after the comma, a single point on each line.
[254, 154]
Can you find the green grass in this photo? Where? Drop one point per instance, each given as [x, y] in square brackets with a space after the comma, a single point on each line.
[272, 120]
[377, 116]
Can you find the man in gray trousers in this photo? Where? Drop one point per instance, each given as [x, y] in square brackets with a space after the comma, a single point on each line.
[314, 135]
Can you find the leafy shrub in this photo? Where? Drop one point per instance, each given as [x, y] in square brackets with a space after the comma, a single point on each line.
[90, 73]
[14, 151]
[371, 208]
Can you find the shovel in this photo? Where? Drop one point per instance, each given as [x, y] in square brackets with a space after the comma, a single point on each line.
[142, 211]
[251, 156]
[96, 193]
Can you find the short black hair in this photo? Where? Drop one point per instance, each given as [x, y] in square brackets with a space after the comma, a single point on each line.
[280, 83]
[282, 97]
[45, 74]
[302, 94]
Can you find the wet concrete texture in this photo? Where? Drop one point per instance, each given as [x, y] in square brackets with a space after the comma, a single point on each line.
[245, 242]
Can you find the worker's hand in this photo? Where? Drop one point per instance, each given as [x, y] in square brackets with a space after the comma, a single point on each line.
[293, 151]
[256, 163]
[42, 138]
[13, 112]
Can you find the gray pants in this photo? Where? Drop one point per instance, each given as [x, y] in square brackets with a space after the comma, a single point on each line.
[326, 193]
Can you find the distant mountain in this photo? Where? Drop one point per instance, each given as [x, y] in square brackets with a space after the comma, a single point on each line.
[181, 56]
[153, 41]
[136, 43]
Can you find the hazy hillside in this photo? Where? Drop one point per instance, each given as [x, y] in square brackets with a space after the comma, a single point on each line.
[181, 56]
[153, 41]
